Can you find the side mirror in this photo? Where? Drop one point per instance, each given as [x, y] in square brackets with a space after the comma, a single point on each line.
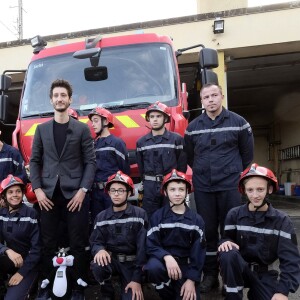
[4, 109]
[208, 76]
[208, 58]
[186, 114]
[5, 82]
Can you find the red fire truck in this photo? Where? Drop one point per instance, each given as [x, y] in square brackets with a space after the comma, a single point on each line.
[123, 74]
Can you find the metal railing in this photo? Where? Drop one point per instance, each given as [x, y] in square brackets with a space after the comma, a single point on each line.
[290, 153]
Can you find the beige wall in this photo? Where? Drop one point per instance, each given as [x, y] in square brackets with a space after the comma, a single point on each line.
[245, 35]
[206, 6]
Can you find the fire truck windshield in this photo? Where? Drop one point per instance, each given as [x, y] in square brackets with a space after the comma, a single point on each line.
[137, 76]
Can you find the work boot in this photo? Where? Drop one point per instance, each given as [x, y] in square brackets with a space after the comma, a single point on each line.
[208, 283]
[77, 295]
[2, 292]
[43, 294]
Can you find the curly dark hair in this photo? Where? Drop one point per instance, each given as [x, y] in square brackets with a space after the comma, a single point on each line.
[61, 83]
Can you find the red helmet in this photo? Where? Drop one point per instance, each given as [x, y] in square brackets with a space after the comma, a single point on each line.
[177, 176]
[73, 113]
[258, 171]
[103, 113]
[9, 181]
[120, 177]
[160, 107]
[30, 195]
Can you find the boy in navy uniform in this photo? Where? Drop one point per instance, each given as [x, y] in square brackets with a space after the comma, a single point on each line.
[158, 152]
[255, 236]
[111, 156]
[118, 241]
[176, 243]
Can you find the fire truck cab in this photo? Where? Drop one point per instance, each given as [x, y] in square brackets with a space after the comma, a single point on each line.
[124, 74]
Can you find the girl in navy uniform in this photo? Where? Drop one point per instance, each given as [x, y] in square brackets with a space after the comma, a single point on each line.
[20, 245]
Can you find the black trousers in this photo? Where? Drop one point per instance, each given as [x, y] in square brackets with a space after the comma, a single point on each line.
[213, 207]
[75, 223]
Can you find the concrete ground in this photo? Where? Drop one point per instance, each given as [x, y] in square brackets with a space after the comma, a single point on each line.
[291, 205]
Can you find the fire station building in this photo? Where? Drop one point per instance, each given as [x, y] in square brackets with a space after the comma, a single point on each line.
[259, 68]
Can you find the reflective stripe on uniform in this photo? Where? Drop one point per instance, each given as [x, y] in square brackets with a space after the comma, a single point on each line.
[172, 146]
[15, 219]
[214, 130]
[259, 230]
[119, 221]
[175, 225]
[112, 149]
[9, 159]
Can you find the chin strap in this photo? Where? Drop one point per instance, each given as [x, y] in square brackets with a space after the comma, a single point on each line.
[162, 126]
[13, 207]
[173, 204]
[98, 134]
[122, 203]
[265, 201]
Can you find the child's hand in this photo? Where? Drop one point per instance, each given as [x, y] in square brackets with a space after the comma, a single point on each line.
[137, 293]
[188, 291]
[173, 269]
[228, 245]
[102, 258]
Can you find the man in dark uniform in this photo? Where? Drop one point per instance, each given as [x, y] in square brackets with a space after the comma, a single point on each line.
[255, 236]
[219, 145]
[158, 152]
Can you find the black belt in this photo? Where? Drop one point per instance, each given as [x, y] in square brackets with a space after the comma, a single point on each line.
[258, 268]
[158, 178]
[182, 260]
[123, 257]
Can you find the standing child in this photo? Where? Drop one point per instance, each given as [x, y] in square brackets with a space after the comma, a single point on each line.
[118, 241]
[111, 156]
[256, 235]
[158, 152]
[176, 243]
[11, 162]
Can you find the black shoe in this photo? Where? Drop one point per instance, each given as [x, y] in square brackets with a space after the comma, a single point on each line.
[208, 283]
[77, 295]
[43, 294]
[223, 291]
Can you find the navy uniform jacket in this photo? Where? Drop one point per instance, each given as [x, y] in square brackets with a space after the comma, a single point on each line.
[218, 151]
[181, 236]
[158, 155]
[264, 237]
[11, 162]
[111, 156]
[19, 231]
[122, 233]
